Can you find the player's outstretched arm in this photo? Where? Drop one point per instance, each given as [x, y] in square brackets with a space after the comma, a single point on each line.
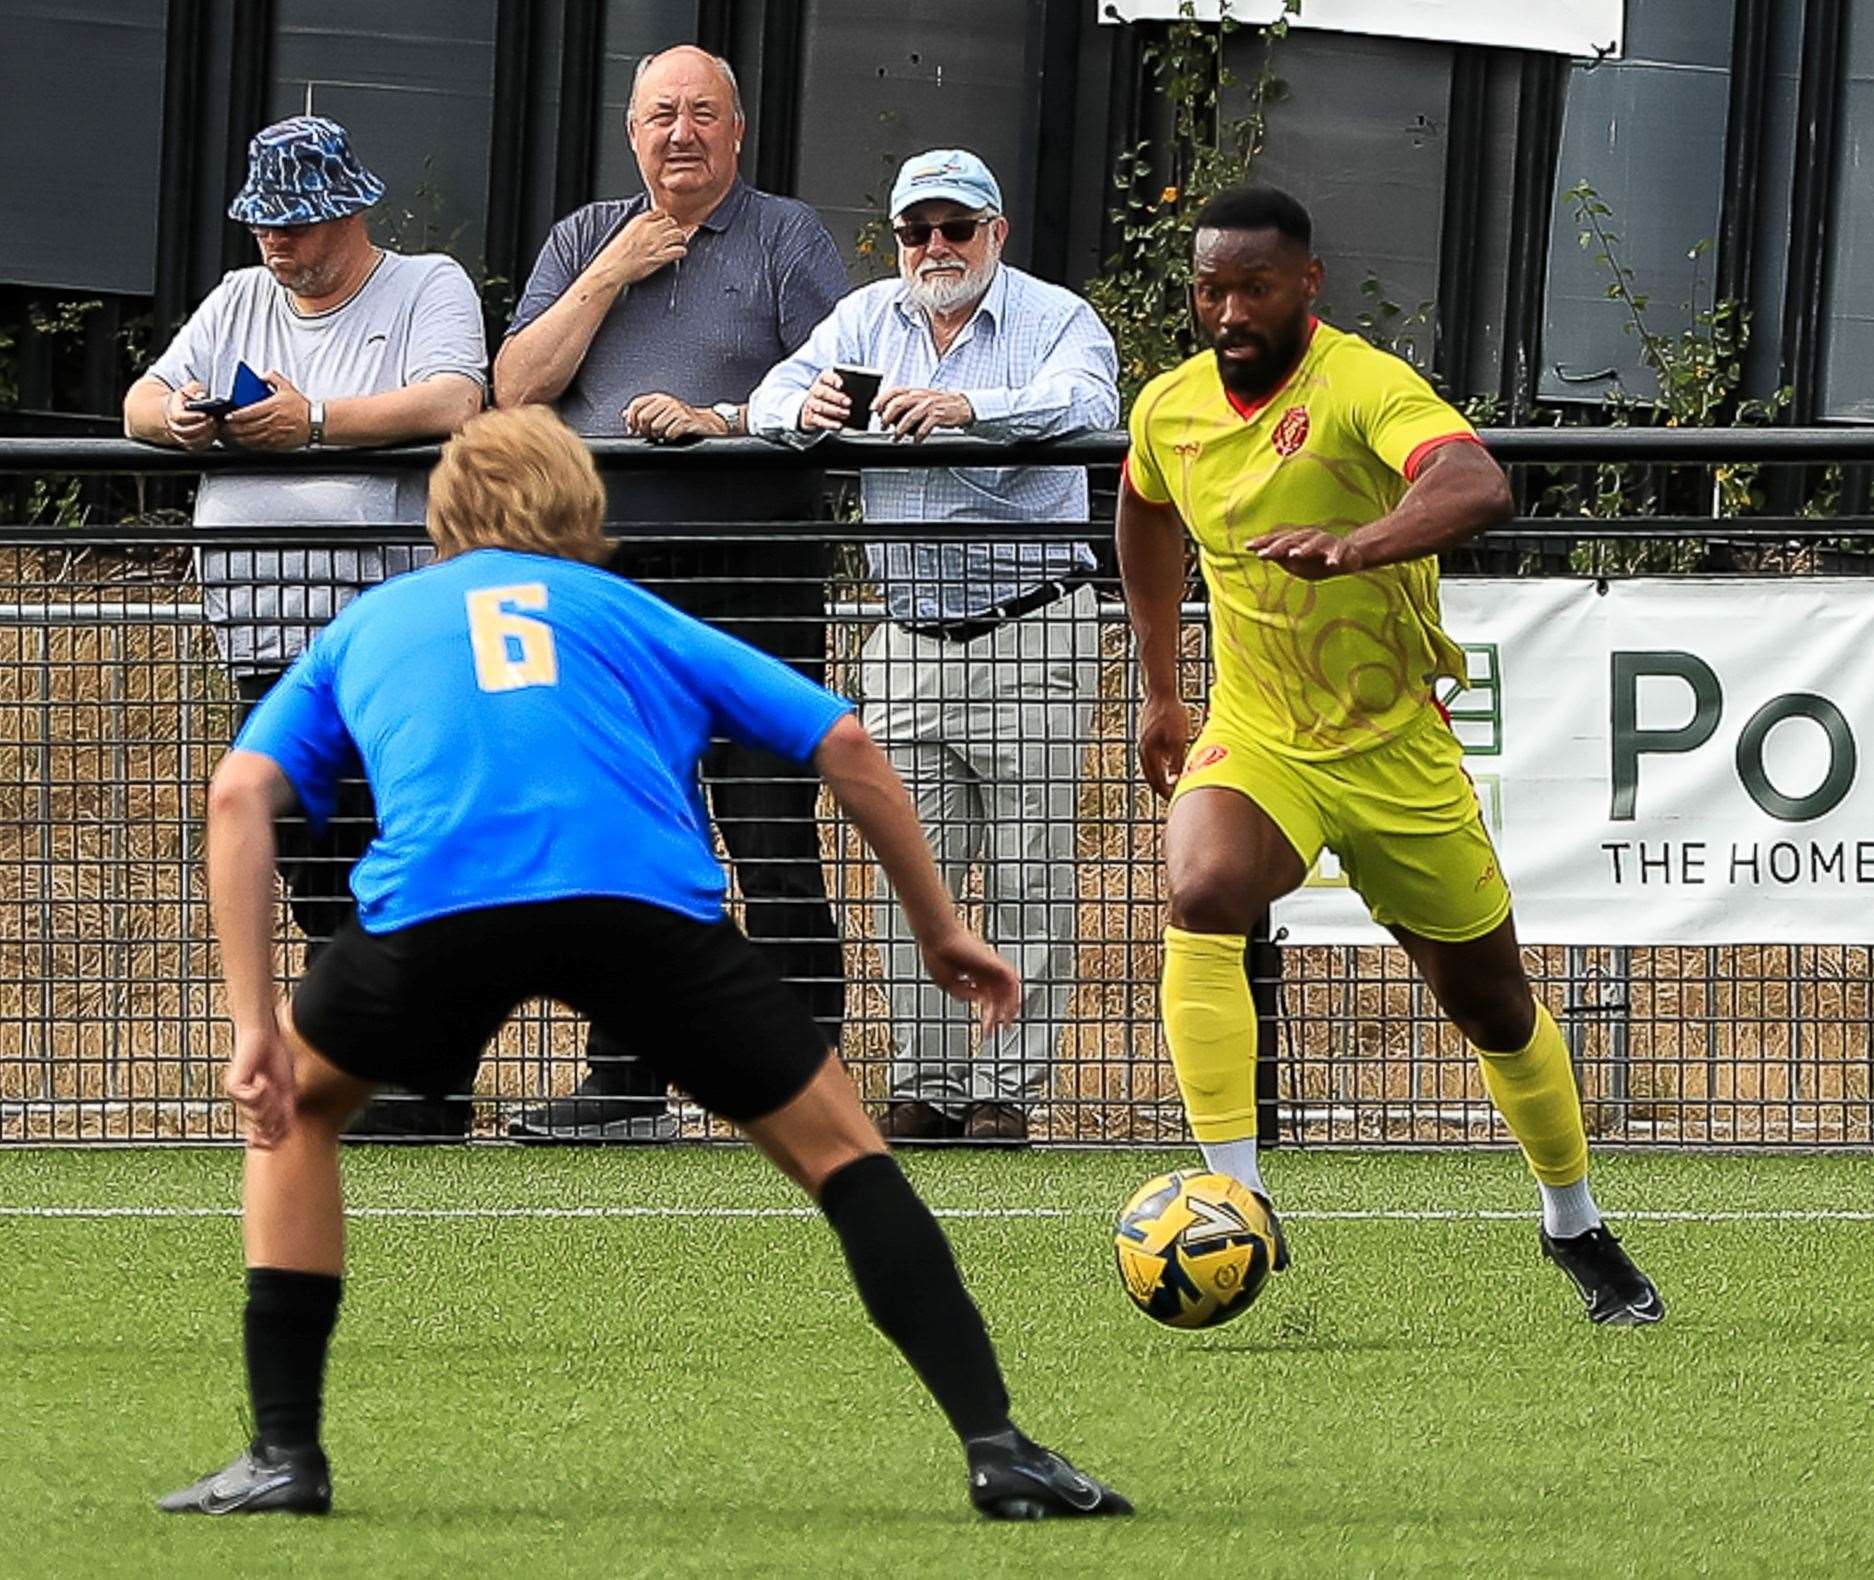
[1459, 492]
[1150, 539]
[870, 792]
[246, 794]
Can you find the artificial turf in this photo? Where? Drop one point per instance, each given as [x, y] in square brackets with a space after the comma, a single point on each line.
[681, 1393]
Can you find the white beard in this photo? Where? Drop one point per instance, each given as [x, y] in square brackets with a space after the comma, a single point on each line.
[949, 293]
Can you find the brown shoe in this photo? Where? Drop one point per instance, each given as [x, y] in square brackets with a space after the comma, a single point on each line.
[916, 1122]
[995, 1124]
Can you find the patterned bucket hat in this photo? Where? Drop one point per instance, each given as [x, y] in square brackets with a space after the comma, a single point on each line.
[301, 171]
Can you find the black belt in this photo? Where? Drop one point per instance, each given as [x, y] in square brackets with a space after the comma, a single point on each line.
[1011, 609]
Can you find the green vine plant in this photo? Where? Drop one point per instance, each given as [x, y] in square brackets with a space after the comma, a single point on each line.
[874, 247]
[1699, 372]
[63, 328]
[1407, 334]
[60, 325]
[54, 502]
[1699, 375]
[9, 372]
[1141, 292]
[419, 226]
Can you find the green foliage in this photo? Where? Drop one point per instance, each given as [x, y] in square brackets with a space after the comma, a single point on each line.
[1700, 372]
[1699, 375]
[136, 343]
[65, 330]
[1406, 334]
[54, 502]
[62, 318]
[1141, 293]
[873, 243]
[1481, 410]
[62, 326]
[9, 372]
[420, 226]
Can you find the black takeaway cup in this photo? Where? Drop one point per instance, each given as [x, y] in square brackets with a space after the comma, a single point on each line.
[861, 388]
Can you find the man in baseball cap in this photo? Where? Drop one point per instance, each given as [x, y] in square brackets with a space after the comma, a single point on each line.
[953, 175]
[981, 632]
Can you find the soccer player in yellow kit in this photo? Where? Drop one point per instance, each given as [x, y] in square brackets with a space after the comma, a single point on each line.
[1321, 477]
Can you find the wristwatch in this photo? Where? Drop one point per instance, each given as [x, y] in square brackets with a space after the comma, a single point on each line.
[731, 415]
[317, 421]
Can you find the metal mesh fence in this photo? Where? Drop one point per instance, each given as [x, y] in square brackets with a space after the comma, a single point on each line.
[1718, 1046]
[122, 679]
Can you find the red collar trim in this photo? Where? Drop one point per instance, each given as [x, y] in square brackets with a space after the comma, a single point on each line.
[1248, 410]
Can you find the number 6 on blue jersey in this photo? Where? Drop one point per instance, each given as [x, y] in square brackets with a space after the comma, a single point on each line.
[511, 650]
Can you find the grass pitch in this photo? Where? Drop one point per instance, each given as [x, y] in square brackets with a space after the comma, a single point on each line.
[683, 1392]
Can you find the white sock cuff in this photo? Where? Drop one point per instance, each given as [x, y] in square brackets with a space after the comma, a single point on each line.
[1236, 1159]
[1569, 1210]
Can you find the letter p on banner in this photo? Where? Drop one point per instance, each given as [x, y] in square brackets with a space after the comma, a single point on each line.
[1629, 743]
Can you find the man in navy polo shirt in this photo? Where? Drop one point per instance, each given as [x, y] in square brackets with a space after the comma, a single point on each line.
[656, 315]
[531, 727]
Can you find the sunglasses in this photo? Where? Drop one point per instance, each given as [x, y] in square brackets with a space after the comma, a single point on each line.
[915, 233]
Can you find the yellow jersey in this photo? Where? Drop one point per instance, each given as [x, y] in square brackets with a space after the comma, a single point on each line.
[1314, 669]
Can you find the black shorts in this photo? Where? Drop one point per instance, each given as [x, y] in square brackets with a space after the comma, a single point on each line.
[418, 1006]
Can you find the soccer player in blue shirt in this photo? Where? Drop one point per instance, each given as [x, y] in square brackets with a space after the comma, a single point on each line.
[530, 726]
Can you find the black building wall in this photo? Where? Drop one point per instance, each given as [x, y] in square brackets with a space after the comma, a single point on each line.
[1433, 169]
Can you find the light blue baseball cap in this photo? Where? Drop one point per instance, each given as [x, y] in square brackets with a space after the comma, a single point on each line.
[952, 174]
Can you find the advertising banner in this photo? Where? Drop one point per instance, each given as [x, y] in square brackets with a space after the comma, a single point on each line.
[1567, 27]
[1661, 761]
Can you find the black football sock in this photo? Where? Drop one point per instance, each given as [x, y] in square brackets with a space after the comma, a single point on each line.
[911, 1288]
[289, 1322]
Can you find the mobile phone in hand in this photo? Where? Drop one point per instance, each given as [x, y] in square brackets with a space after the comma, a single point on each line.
[249, 388]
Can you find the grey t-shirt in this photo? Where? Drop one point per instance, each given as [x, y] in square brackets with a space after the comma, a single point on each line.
[760, 272]
[414, 318]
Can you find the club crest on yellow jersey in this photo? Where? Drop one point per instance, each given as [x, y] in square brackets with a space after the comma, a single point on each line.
[1291, 431]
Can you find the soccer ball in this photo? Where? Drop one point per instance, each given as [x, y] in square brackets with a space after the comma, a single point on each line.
[1194, 1248]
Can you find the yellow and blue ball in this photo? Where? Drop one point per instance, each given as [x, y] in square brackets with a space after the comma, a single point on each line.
[1194, 1248]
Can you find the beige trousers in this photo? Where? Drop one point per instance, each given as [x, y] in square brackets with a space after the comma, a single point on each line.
[989, 736]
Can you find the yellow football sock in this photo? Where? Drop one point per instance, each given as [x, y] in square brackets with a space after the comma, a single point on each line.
[1210, 1024]
[1534, 1091]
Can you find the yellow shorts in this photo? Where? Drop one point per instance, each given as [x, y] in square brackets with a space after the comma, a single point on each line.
[1403, 818]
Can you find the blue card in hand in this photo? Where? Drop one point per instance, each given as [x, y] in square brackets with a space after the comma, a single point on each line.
[249, 387]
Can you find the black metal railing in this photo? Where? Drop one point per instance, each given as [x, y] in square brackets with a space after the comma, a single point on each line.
[118, 693]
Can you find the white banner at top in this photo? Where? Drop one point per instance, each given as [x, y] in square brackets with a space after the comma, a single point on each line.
[1564, 27]
[1662, 761]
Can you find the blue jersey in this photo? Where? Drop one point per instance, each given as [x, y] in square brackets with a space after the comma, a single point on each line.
[531, 729]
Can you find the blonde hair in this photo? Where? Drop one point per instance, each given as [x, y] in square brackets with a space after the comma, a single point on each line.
[518, 479]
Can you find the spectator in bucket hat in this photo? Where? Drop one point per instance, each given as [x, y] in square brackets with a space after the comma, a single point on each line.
[359, 346]
[301, 171]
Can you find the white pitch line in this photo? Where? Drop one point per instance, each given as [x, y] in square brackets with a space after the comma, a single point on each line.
[435, 1213]
[1499, 1215]
[1301, 1215]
